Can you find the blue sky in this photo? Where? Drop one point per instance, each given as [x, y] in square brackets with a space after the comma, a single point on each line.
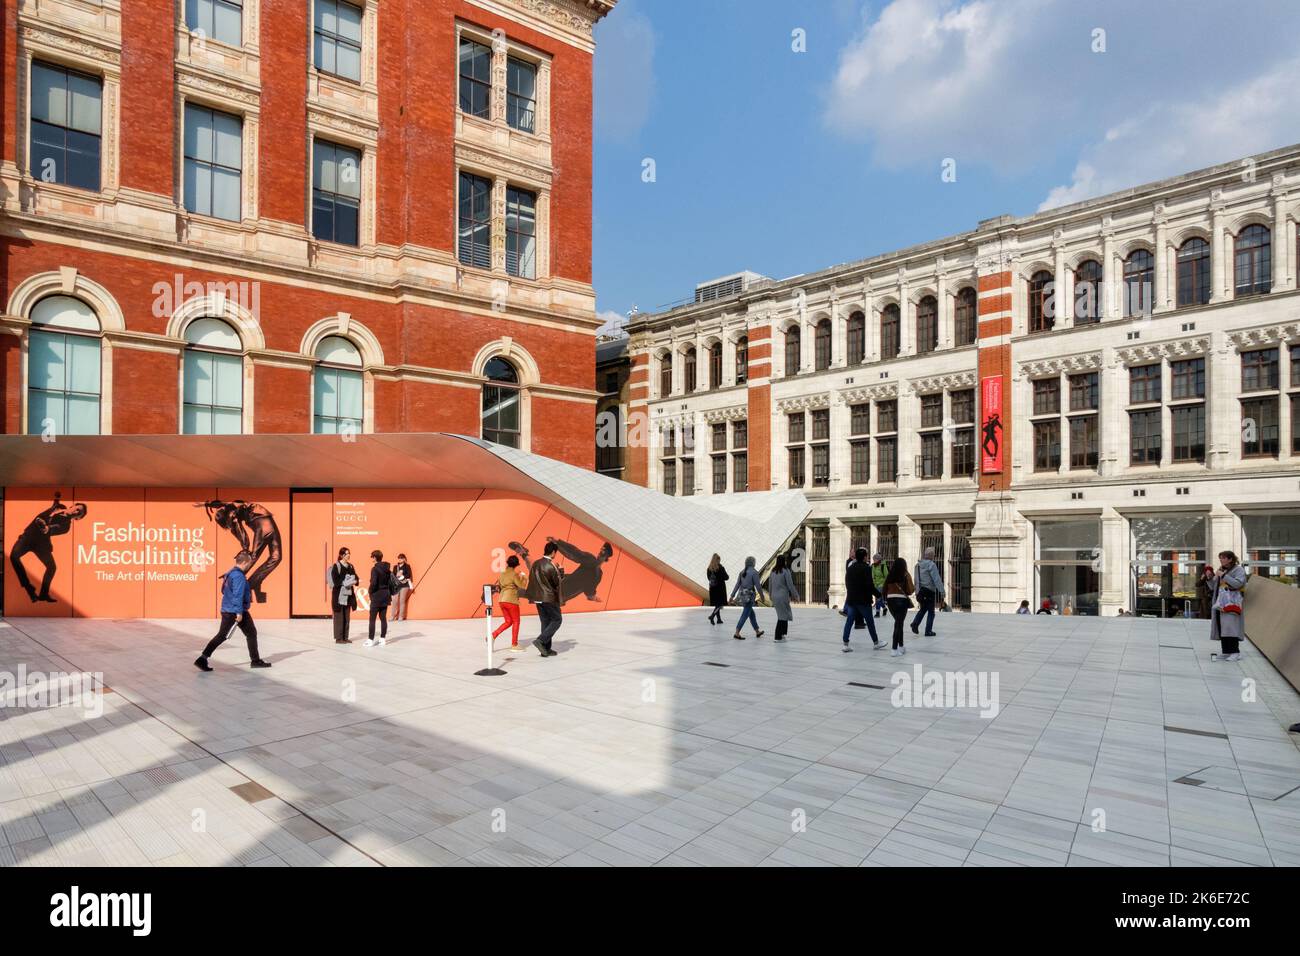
[785, 162]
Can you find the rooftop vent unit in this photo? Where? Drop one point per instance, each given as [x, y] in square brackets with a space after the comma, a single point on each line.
[726, 287]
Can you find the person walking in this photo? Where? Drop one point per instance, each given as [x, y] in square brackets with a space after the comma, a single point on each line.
[343, 595]
[749, 589]
[781, 589]
[236, 598]
[898, 585]
[509, 584]
[718, 579]
[859, 593]
[405, 579]
[879, 571]
[1228, 623]
[548, 581]
[381, 595]
[929, 592]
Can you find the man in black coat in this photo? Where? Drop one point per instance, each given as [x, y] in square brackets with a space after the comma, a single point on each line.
[859, 593]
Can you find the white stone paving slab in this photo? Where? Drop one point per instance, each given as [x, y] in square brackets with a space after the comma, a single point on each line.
[631, 749]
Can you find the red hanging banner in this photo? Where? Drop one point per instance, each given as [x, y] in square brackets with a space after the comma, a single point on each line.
[991, 425]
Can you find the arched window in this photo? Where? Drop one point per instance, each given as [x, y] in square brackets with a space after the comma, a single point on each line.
[1042, 309]
[742, 359]
[665, 374]
[63, 368]
[1193, 272]
[1087, 292]
[890, 320]
[1253, 265]
[822, 345]
[212, 379]
[1139, 282]
[501, 409]
[966, 318]
[691, 380]
[793, 347]
[336, 388]
[857, 338]
[715, 365]
[927, 325]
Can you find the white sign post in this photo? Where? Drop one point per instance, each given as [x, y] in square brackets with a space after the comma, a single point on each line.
[490, 670]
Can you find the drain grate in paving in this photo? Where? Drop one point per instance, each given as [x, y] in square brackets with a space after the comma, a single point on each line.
[1198, 733]
[716, 664]
[252, 792]
[162, 775]
[854, 683]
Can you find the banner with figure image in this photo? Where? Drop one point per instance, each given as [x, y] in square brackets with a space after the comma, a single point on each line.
[135, 552]
[991, 429]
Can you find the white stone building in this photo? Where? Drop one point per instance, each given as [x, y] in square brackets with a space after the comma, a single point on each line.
[1148, 347]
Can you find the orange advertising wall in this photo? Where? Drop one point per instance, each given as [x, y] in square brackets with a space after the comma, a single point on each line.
[159, 553]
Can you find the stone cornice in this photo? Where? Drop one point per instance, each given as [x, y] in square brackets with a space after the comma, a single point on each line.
[1156, 351]
[799, 403]
[882, 391]
[734, 413]
[1082, 362]
[1266, 335]
[46, 35]
[490, 159]
[938, 383]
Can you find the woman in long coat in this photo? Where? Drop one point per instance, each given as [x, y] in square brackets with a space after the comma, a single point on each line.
[781, 589]
[1227, 619]
[718, 579]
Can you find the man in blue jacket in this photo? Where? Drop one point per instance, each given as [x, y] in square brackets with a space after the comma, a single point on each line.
[236, 596]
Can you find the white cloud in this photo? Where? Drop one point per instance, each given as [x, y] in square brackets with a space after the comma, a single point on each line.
[1171, 138]
[614, 322]
[624, 75]
[930, 79]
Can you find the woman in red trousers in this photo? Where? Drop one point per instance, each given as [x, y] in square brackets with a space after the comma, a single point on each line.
[509, 584]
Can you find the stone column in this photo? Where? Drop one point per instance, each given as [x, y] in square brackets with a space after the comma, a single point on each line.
[1110, 285]
[839, 554]
[1060, 303]
[1283, 246]
[499, 225]
[872, 319]
[1063, 416]
[1114, 396]
[907, 443]
[839, 335]
[1166, 415]
[1220, 266]
[906, 319]
[1223, 533]
[1161, 301]
[909, 540]
[945, 312]
[1222, 410]
[1114, 562]
[998, 567]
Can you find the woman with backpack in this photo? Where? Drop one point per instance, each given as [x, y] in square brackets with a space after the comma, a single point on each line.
[718, 579]
[381, 591]
[1227, 622]
[749, 589]
[898, 585]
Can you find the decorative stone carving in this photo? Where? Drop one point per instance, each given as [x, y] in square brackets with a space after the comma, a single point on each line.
[1082, 362]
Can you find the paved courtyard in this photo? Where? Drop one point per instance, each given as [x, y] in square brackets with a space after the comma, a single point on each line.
[651, 739]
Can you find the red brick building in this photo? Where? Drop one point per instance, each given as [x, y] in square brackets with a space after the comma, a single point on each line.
[287, 216]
